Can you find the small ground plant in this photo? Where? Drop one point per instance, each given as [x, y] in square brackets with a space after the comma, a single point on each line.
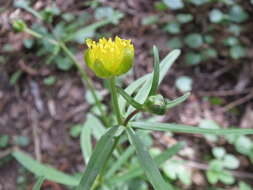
[121, 133]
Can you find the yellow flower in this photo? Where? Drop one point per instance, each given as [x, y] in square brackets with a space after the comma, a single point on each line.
[107, 58]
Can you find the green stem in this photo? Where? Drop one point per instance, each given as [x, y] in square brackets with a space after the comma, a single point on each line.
[82, 72]
[115, 100]
[87, 80]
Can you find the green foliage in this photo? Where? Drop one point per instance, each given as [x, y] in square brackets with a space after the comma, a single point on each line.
[184, 83]
[210, 124]
[175, 43]
[112, 164]
[185, 29]
[4, 140]
[216, 171]
[173, 28]
[22, 141]
[237, 52]
[39, 183]
[50, 80]
[194, 40]
[175, 169]
[150, 20]
[174, 4]
[43, 170]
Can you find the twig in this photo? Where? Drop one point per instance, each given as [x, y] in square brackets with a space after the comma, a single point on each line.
[27, 69]
[32, 114]
[238, 102]
[76, 110]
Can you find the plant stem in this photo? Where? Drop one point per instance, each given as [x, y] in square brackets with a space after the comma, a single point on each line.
[82, 72]
[86, 80]
[129, 117]
[115, 100]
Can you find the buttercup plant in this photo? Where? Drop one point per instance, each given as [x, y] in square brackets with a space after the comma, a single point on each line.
[108, 59]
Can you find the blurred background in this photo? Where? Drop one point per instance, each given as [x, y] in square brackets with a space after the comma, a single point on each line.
[44, 104]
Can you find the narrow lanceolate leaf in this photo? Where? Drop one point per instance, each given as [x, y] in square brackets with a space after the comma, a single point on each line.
[136, 171]
[147, 163]
[164, 66]
[95, 125]
[44, 170]
[98, 159]
[129, 99]
[155, 81]
[85, 141]
[187, 129]
[121, 160]
[179, 100]
[133, 87]
[39, 183]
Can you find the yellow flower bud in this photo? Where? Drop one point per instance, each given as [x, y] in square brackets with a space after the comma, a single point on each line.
[107, 58]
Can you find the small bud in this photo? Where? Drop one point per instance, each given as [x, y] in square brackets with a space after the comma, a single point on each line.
[19, 25]
[107, 58]
[156, 104]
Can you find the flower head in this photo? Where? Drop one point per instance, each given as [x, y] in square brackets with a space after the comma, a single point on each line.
[109, 58]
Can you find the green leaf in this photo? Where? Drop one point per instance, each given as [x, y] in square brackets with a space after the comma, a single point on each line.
[194, 40]
[63, 63]
[155, 81]
[22, 141]
[39, 183]
[174, 4]
[164, 66]
[216, 16]
[226, 178]
[131, 89]
[212, 176]
[109, 13]
[173, 28]
[44, 170]
[187, 129]
[231, 162]
[49, 80]
[87, 31]
[175, 43]
[237, 52]
[98, 159]
[147, 163]
[23, 4]
[15, 77]
[238, 14]
[184, 83]
[219, 152]
[192, 58]
[198, 2]
[150, 20]
[121, 160]
[209, 124]
[136, 171]
[4, 140]
[231, 41]
[85, 141]
[129, 99]
[95, 125]
[243, 145]
[75, 131]
[175, 102]
[184, 18]
[244, 186]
